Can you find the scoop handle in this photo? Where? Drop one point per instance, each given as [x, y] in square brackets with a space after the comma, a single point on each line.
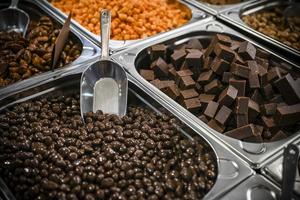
[14, 3]
[105, 32]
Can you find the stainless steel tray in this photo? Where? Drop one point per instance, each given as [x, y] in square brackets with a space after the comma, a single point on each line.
[256, 187]
[231, 169]
[255, 154]
[89, 50]
[273, 170]
[216, 9]
[233, 16]
[116, 45]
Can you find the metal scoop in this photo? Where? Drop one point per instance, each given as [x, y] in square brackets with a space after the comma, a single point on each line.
[14, 19]
[104, 84]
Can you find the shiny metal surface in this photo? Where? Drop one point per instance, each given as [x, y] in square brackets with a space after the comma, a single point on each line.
[117, 45]
[231, 169]
[234, 17]
[14, 19]
[216, 9]
[273, 169]
[254, 154]
[89, 50]
[104, 84]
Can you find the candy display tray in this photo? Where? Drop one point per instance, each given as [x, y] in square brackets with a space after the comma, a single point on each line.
[254, 154]
[234, 16]
[89, 50]
[231, 169]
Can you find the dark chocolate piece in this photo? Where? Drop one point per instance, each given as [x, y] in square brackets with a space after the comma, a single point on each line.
[273, 74]
[207, 62]
[242, 132]
[206, 98]
[194, 44]
[172, 91]
[203, 118]
[254, 81]
[256, 96]
[160, 68]
[172, 73]
[228, 96]
[147, 74]
[219, 66]
[237, 59]
[177, 58]
[247, 51]
[206, 77]
[269, 123]
[287, 115]
[242, 105]
[224, 52]
[268, 91]
[241, 120]
[269, 109]
[193, 105]
[187, 94]
[218, 38]
[278, 136]
[223, 115]
[186, 82]
[214, 87]
[226, 77]
[235, 45]
[211, 109]
[240, 70]
[253, 110]
[289, 89]
[157, 51]
[216, 126]
[240, 85]
[194, 59]
[155, 82]
[182, 73]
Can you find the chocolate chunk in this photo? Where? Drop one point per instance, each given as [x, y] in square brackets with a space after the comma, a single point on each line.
[289, 89]
[186, 82]
[207, 62]
[194, 59]
[247, 51]
[193, 105]
[268, 91]
[269, 123]
[187, 94]
[211, 109]
[235, 45]
[287, 115]
[223, 115]
[273, 74]
[172, 91]
[147, 74]
[219, 66]
[157, 51]
[183, 73]
[237, 59]
[155, 82]
[226, 77]
[256, 96]
[206, 77]
[228, 96]
[240, 85]
[177, 58]
[172, 73]
[254, 81]
[183, 66]
[242, 120]
[240, 70]
[216, 126]
[269, 108]
[214, 87]
[224, 52]
[222, 39]
[242, 105]
[206, 98]
[194, 44]
[160, 68]
[263, 63]
[203, 118]
[262, 54]
[242, 132]
[253, 66]
[253, 110]
[278, 136]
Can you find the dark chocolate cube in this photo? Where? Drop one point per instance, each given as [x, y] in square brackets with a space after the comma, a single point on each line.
[247, 51]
